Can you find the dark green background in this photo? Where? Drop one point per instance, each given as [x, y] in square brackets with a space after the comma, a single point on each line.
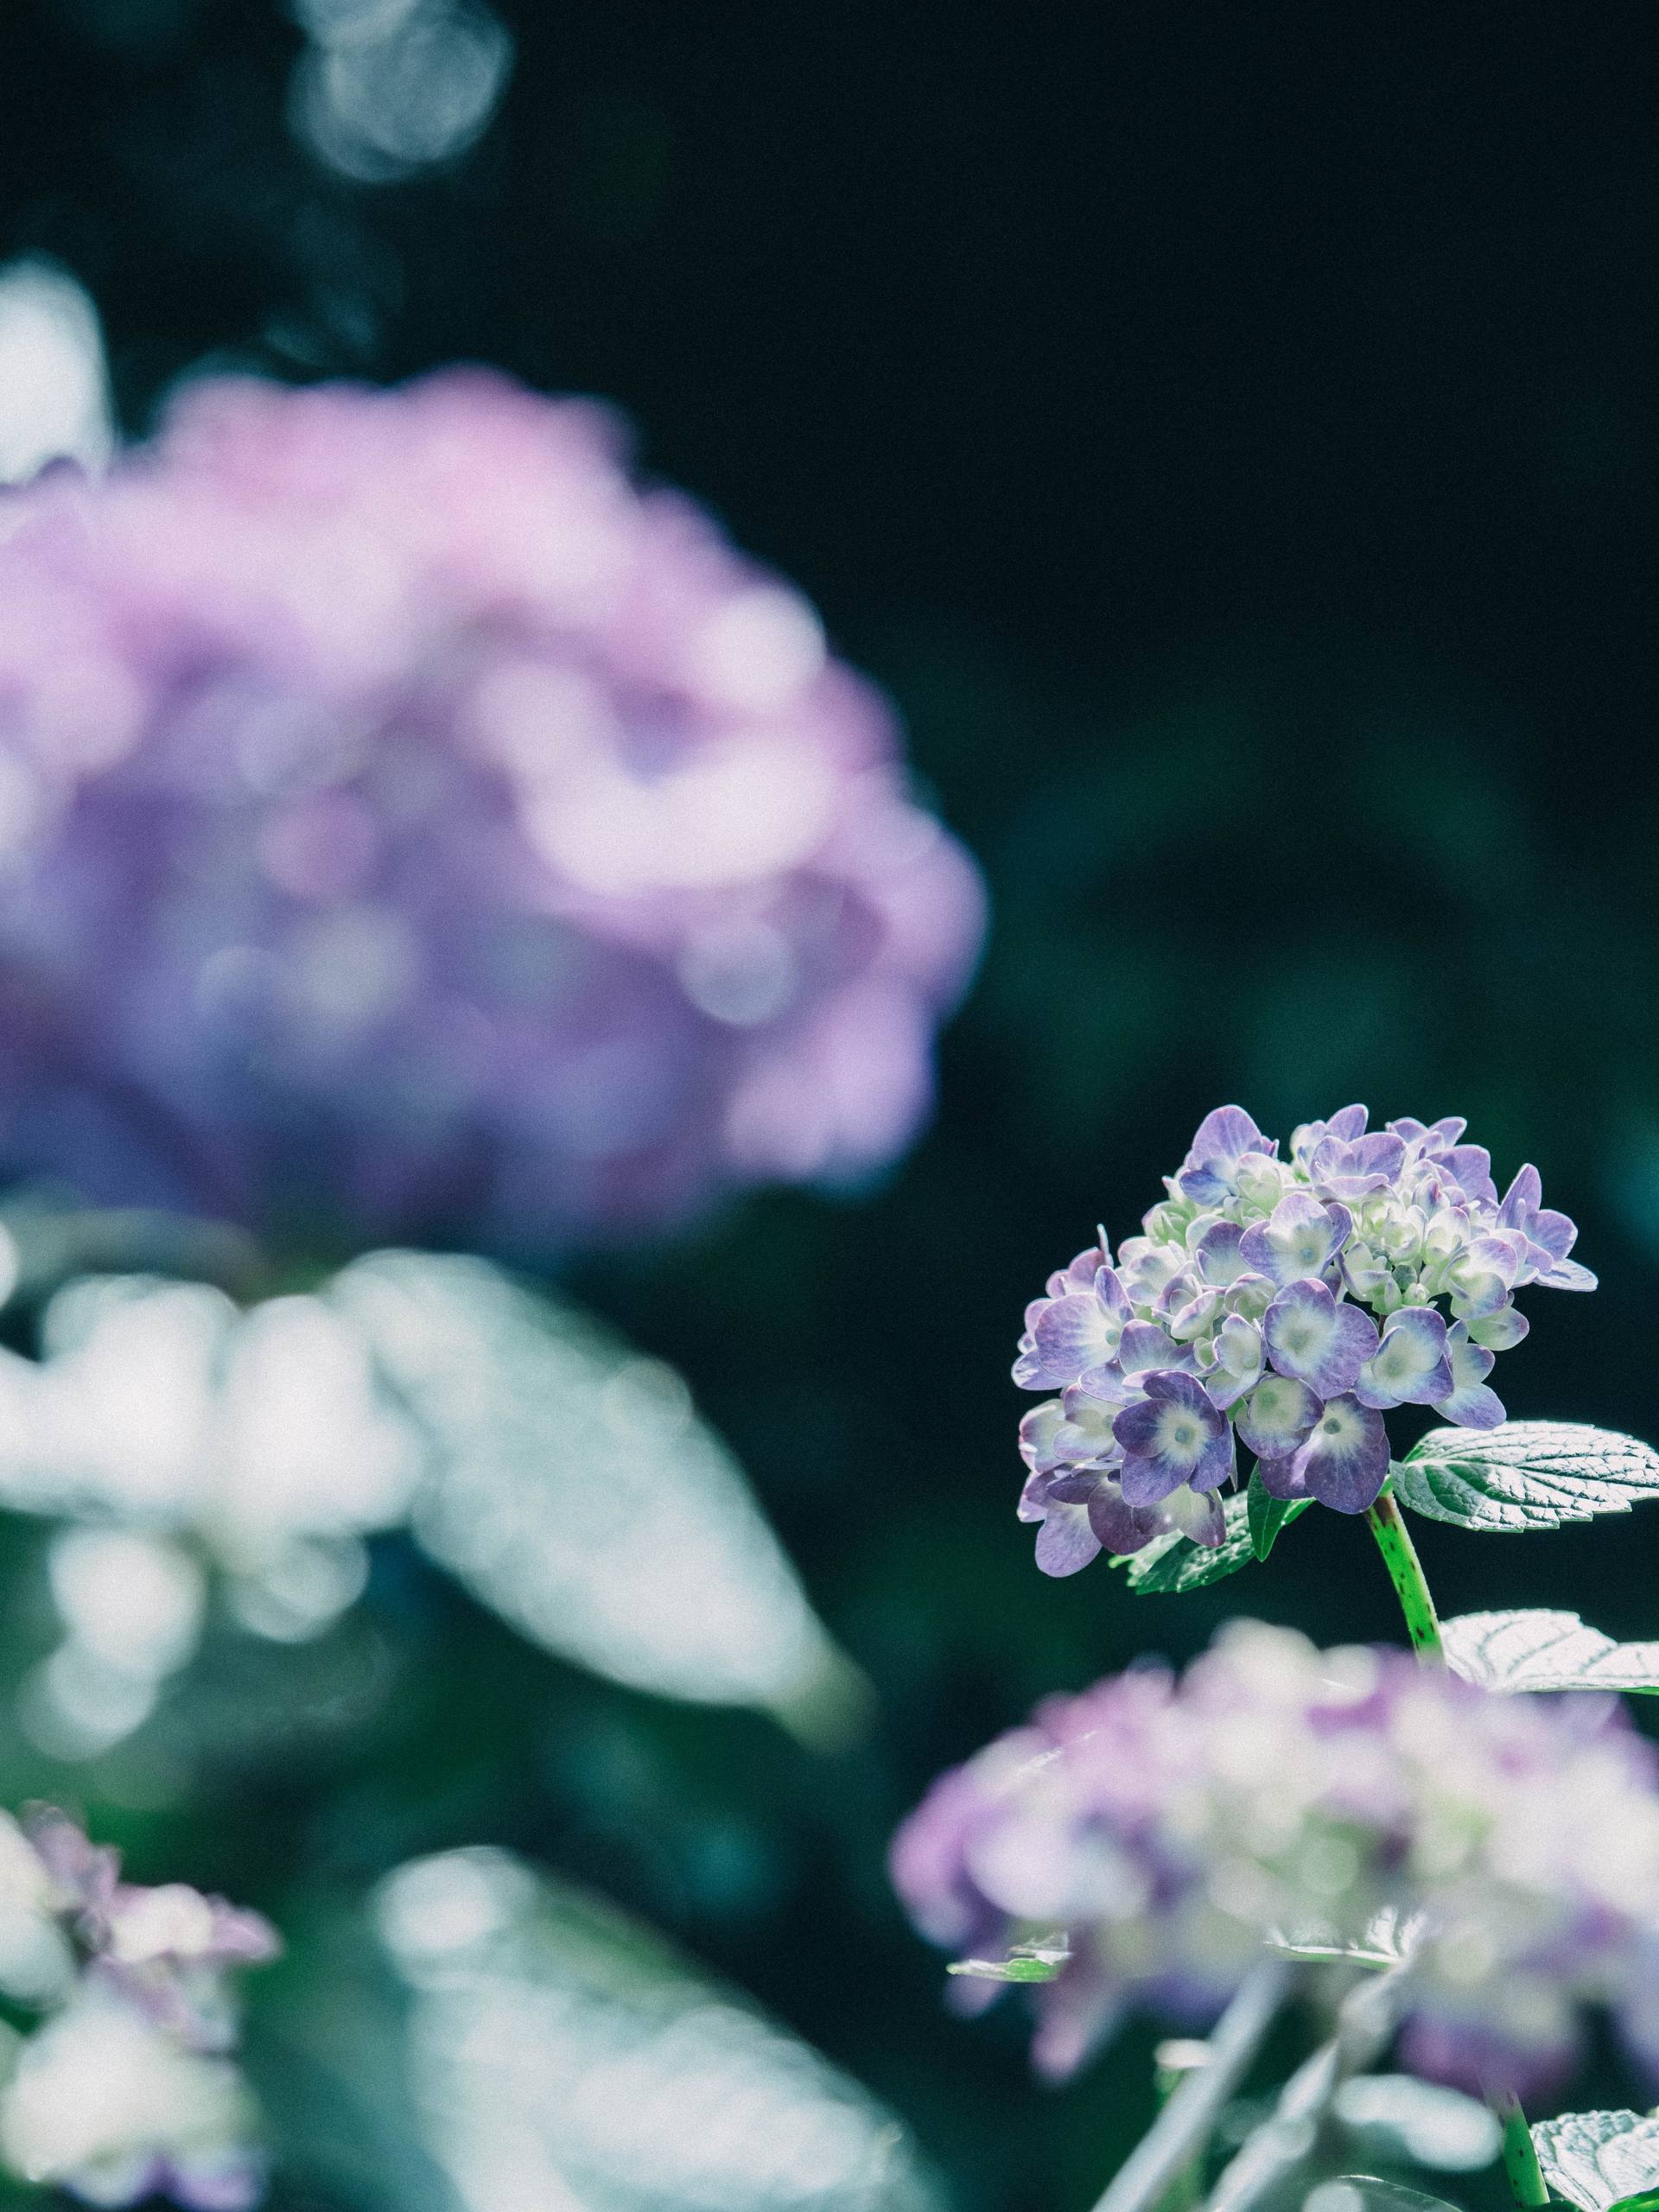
[1228, 433]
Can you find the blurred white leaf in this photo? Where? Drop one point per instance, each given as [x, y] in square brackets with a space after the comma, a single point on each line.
[1429, 2126]
[565, 1479]
[562, 2058]
[53, 399]
[573, 1488]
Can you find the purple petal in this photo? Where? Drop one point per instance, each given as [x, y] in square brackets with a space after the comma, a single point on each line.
[1523, 1199]
[1218, 1254]
[1282, 1479]
[1065, 1541]
[1500, 1332]
[1568, 1274]
[1469, 1166]
[1275, 1419]
[1073, 1486]
[1221, 1140]
[1198, 1514]
[1146, 1346]
[1038, 1432]
[1349, 1170]
[1225, 1134]
[1034, 1498]
[1317, 1340]
[1122, 1527]
[1410, 1366]
[1148, 1479]
[1471, 1405]
[1348, 1122]
[1477, 1407]
[1076, 1331]
[1554, 1231]
[1344, 1462]
[1299, 1239]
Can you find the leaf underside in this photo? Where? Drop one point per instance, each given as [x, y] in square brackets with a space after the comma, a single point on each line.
[1543, 1651]
[1598, 2160]
[1526, 1474]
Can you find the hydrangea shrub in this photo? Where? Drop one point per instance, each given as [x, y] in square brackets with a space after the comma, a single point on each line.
[1438, 1852]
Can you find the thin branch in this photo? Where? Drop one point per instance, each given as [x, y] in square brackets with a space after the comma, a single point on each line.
[1366, 2020]
[1184, 2126]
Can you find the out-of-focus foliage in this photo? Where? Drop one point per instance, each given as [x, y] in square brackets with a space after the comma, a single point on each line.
[1229, 435]
[555, 2053]
[244, 1457]
[573, 1489]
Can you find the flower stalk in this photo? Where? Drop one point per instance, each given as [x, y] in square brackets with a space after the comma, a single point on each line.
[1526, 2179]
[1179, 2135]
[1387, 1525]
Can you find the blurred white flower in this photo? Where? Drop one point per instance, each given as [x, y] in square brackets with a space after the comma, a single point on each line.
[104, 2100]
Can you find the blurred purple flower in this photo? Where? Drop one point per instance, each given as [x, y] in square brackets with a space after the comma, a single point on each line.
[407, 823]
[1153, 1833]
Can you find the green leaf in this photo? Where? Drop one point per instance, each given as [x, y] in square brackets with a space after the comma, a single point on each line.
[1171, 1562]
[1541, 1650]
[1527, 1474]
[1265, 1514]
[1396, 2116]
[1647, 2201]
[1599, 2159]
[1007, 1969]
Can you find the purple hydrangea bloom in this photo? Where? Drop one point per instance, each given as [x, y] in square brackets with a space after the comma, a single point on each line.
[407, 824]
[1296, 1299]
[1154, 1833]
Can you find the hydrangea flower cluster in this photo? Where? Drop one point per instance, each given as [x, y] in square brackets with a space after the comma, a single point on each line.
[409, 824]
[1292, 1300]
[1154, 1832]
[127, 2090]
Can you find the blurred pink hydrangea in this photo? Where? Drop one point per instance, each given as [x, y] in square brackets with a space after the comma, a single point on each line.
[407, 824]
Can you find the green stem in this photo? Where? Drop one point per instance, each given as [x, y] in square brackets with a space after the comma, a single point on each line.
[1520, 2158]
[1184, 2127]
[1406, 1573]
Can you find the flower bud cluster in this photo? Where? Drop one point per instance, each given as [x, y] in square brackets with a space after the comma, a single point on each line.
[1289, 1302]
[1154, 1833]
